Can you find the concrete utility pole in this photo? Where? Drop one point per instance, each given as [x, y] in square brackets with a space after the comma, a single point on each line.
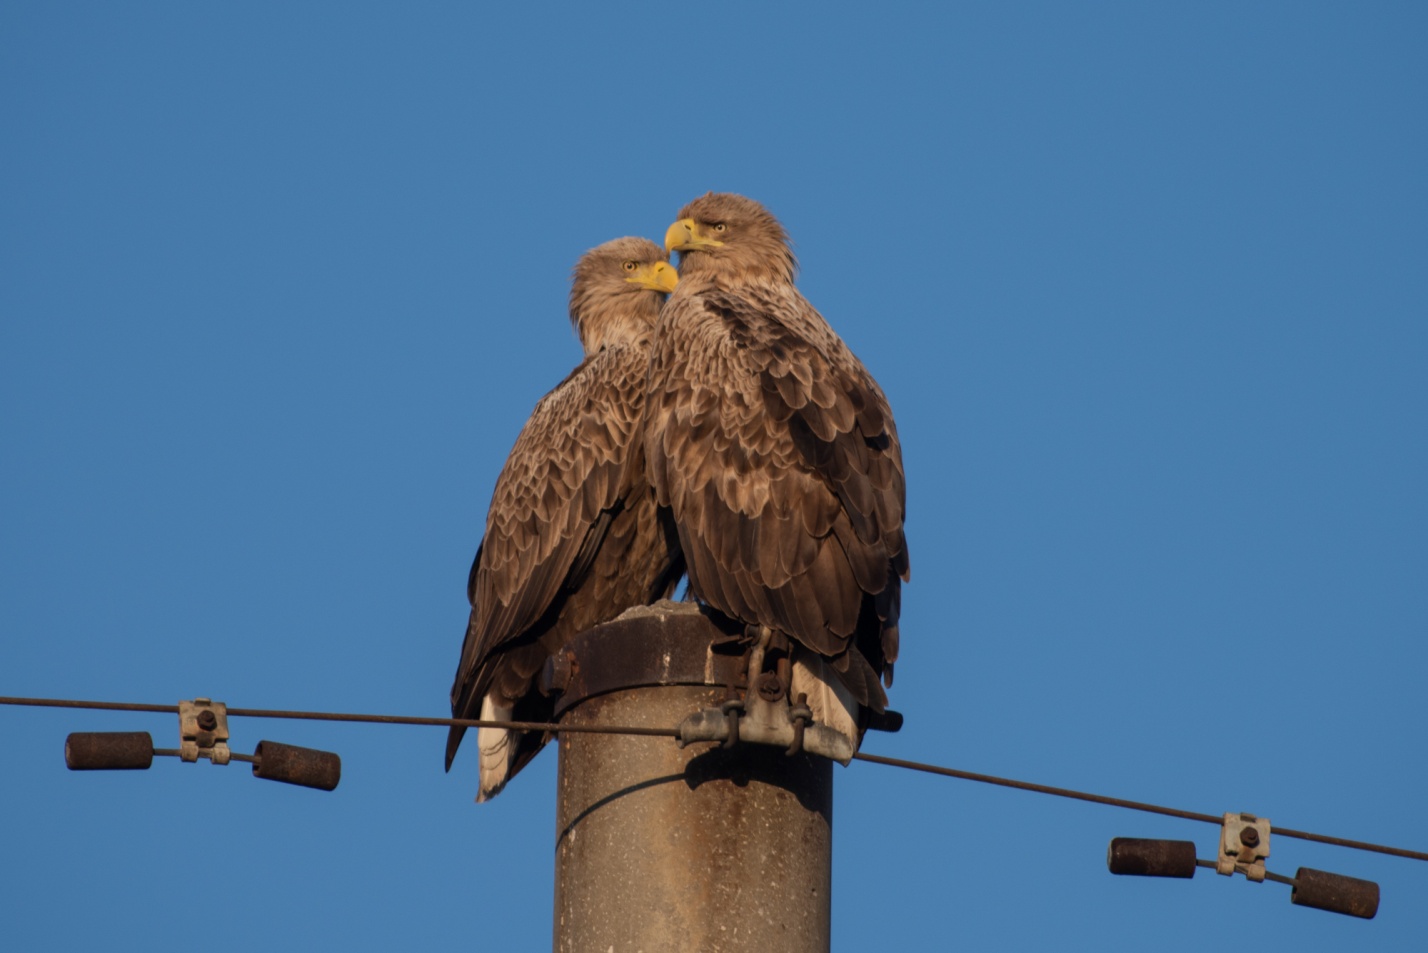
[660, 848]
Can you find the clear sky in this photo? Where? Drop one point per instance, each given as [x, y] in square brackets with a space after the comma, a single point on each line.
[1146, 284]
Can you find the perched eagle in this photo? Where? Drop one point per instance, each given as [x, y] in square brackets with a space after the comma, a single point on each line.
[776, 452]
[572, 536]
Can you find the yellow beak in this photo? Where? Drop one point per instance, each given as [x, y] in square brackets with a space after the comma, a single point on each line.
[685, 235]
[659, 276]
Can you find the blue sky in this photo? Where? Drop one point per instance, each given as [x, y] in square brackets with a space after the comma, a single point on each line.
[1145, 285]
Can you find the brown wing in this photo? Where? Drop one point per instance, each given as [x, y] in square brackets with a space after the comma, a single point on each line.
[569, 491]
[777, 454]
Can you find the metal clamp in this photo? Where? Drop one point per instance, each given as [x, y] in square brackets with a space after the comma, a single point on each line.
[203, 731]
[1244, 845]
[764, 716]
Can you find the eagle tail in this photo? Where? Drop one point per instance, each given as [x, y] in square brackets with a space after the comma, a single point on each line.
[497, 749]
[829, 699]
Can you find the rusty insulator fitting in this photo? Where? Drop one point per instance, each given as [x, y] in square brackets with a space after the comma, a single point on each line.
[1142, 857]
[306, 767]
[109, 750]
[1335, 892]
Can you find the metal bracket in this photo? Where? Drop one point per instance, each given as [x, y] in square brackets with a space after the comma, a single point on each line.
[1335, 893]
[203, 731]
[764, 716]
[1244, 845]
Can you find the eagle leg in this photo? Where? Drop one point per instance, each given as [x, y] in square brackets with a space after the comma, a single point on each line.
[769, 681]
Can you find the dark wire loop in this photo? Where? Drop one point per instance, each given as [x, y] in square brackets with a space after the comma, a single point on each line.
[801, 715]
[733, 708]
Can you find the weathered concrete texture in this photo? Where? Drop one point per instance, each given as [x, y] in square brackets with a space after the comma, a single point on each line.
[698, 849]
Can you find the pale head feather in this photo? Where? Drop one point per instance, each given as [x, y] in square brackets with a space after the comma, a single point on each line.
[605, 308]
[755, 246]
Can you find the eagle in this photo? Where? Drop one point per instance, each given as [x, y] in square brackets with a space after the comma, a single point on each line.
[776, 453]
[572, 534]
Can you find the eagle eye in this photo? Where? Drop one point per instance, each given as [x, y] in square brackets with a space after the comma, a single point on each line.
[630, 264]
[718, 226]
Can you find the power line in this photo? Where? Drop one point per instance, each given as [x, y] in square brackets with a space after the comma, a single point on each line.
[556, 728]
[348, 717]
[1131, 805]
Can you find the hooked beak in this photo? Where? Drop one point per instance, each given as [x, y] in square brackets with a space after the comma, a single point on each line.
[686, 235]
[659, 276]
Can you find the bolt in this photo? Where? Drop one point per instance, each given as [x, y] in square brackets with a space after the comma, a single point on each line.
[1249, 836]
[207, 720]
[770, 687]
[558, 671]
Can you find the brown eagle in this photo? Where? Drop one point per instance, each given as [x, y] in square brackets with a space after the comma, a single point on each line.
[776, 452]
[572, 537]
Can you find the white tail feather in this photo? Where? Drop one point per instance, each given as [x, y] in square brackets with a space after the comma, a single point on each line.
[496, 747]
[828, 698]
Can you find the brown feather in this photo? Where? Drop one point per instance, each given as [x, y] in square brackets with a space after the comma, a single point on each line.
[573, 536]
[775, 451]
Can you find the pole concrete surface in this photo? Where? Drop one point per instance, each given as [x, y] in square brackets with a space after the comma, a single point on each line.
[703, 849]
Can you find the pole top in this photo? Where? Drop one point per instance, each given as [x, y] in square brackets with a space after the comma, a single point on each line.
[668, 643]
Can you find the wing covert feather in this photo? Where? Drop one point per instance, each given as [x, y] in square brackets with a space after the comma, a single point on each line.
[567, 468]
[775, 451]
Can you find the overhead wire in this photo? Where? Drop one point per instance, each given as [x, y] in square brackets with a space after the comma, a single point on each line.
[351, 717]
[1131, 805]
[557, 728]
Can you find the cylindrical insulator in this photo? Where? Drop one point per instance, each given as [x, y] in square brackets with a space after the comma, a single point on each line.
[307, 767]
[1151, 858]
[1335, 893]
[108, 750]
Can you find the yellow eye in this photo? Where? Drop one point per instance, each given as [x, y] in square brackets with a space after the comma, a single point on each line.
[718, 226]
[630, 264]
